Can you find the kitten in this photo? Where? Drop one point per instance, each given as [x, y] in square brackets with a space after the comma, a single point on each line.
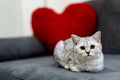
[80, 53]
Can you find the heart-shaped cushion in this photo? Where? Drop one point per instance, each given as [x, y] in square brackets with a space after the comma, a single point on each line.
[50, 27]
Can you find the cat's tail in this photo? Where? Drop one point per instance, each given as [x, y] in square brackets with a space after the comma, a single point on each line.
[59, 53]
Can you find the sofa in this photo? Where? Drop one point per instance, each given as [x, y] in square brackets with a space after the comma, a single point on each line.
[25, 58]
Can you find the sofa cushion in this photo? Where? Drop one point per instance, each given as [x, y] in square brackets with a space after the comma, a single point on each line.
[15, 48]
[50, 27]
[43, 68]
[108, 12]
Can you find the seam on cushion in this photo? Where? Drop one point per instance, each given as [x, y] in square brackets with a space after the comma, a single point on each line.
[17, 77]
[12, 76]
[20, 78]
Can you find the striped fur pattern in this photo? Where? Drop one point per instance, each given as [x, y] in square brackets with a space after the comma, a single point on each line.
[80, 53]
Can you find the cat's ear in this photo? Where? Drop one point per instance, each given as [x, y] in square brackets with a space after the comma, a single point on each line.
[97, 36]
[75, 39]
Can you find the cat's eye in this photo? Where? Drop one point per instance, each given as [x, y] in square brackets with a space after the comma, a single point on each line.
[92, 46]
[82, 48]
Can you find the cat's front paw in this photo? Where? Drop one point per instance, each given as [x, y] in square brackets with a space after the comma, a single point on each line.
[74, 69]
[66, 66]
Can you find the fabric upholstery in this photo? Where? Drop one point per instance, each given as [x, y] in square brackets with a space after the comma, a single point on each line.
[15, 48]
[43, 68]
[108, 12]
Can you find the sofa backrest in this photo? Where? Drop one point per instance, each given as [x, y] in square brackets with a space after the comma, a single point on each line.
[108, 12]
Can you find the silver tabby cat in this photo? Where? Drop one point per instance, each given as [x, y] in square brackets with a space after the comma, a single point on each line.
[80, 53]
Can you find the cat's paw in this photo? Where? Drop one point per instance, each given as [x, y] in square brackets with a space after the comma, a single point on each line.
[66, 66]
[74, 69]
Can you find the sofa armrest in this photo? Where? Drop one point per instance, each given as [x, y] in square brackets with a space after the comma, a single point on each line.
[24, 47]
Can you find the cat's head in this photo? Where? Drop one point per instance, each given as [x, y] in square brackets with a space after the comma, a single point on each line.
[88, 46]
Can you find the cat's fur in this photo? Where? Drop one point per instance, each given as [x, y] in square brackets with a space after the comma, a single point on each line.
[80, 53]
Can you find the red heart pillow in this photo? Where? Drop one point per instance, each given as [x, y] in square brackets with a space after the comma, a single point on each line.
[50, 27]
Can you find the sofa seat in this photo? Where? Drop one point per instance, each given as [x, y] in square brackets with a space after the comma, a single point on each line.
[43, 68]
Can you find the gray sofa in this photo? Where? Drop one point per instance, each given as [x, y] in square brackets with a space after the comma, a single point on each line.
[26, 58]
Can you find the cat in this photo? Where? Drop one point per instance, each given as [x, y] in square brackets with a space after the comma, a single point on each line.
[80, 53]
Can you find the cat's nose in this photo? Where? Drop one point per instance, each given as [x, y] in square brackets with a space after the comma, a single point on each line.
[88, 53]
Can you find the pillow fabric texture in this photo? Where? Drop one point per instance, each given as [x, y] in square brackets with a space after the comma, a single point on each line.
[50, 27]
